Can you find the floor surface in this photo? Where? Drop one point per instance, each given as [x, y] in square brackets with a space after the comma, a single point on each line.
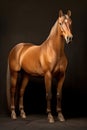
[39, 122]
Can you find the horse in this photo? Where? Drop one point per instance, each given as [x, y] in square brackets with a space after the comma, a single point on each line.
[47, 60]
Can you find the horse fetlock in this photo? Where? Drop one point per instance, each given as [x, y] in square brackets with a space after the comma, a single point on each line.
[48, 110]
[58, 109]
[61, 117]
[50, 118]
[13, 115]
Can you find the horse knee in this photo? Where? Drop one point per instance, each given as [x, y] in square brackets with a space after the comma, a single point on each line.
[48, 96]
[21, 92]
[12, 91]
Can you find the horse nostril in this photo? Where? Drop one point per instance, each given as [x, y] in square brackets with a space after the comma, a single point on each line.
[69, 38]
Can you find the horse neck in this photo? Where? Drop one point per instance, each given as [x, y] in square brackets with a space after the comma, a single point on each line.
[56, 41]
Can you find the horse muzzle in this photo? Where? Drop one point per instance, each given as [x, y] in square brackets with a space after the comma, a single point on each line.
[68, 38]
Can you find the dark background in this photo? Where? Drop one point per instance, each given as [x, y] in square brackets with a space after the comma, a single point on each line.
[31, 21]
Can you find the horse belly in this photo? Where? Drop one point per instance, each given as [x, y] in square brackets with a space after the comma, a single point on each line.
[32, 67]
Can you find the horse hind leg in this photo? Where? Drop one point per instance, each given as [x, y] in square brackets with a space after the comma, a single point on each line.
[21, 94]
[14, 76]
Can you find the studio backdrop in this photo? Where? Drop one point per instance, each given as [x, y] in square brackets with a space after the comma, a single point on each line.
[31, 21]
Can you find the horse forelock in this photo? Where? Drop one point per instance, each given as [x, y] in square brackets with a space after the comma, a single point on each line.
[66, 16]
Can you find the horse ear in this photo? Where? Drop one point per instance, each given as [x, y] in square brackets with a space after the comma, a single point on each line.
[69, 13]
[60, 13]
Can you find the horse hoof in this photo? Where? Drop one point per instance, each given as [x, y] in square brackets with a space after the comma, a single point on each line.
[13, 116]
[23, 115]
[50, 119]
[61, 117]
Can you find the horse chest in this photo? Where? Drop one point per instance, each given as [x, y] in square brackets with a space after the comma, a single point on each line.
[61, 65]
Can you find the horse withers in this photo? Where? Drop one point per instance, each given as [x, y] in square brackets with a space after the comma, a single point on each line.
[47, 60]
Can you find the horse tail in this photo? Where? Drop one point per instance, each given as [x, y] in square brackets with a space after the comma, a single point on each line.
[8, 87]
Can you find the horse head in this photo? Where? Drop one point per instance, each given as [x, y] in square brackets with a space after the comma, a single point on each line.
[64, 22]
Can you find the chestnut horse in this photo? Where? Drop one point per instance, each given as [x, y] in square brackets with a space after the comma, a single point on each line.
[47, 60]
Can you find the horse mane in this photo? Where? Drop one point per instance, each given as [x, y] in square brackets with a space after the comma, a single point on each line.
[53, 29]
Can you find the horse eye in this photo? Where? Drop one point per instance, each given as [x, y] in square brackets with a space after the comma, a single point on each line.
[60, 23]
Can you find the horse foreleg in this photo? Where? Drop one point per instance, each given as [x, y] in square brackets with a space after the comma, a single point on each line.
[59, 97]
[22, 90]
[13, 91]
[48, 78]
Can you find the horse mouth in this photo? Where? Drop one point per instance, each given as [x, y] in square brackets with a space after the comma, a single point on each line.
[67, 41]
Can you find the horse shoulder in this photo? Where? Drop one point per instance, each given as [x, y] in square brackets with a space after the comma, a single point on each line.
[47, 58]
